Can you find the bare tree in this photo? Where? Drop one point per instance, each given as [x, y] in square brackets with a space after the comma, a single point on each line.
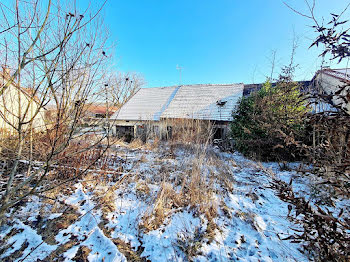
[58, 54]
[121, 86]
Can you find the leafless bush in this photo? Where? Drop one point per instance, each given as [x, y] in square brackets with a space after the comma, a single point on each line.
[330, 150]
[58, 54]
[328, 127]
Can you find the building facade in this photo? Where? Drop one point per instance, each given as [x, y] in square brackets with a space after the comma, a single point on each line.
[334, 84]
[18, 104]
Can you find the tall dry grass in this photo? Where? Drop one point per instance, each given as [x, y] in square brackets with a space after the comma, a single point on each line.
[191, 131]
[196, 189]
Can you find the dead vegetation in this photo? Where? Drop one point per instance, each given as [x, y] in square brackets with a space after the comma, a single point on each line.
[195, 191]
[82, 254]
[324, 235]
[199, 183]
[129, 252]
[191, 131]
[13, 231]
[193, 181]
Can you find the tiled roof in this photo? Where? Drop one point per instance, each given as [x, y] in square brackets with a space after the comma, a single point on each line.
[100, 109]
[209, 102]
[343, 73]
[146, 104]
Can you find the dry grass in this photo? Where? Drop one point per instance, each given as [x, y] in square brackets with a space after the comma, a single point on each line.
[190, 243]
[49, 229]
[166, 199]
[14, 231]
[82, 254]
[128, 252]
[136, 144]
[196, 192]
[106, 199]
[196, 185]
[103, 192]
[191, 131]
[201, 192]
[57, 255]
[152, 144]
[142, 189]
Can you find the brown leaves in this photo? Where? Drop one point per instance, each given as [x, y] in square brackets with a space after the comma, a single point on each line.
[321, 232]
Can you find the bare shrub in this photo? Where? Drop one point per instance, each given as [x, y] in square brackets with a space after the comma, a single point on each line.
[58, 54]
[328, 126]
[324, 235]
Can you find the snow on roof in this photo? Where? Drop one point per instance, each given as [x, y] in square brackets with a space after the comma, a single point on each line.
[146, 104]
[207, 102]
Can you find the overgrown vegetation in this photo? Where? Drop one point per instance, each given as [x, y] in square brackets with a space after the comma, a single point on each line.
[281, 123]
[324, 235]
[75, 194]
[263, 121]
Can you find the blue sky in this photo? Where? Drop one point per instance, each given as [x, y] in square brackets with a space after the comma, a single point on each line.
[220, 41]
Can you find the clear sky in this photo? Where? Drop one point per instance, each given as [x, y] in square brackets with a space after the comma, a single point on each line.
[221, 41]
[215, 41]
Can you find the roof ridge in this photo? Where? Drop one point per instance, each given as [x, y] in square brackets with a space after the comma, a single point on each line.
[157, 115]
[336, 68]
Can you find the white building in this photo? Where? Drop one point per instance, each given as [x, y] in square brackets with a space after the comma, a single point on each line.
[156, 108]
[334, 83]
[18, 104]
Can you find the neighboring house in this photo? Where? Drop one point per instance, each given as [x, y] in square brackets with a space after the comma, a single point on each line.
[334, 84]
[329, 87]
[19, 103]
[94, 113]
[156, 109]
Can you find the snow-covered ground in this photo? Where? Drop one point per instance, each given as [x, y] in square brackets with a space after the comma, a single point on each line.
[112, 217]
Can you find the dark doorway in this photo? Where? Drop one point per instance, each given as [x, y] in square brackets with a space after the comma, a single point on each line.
[219, 133]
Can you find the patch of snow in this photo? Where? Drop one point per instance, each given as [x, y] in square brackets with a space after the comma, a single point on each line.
[252, 231]
[35, 248]
[55, 215]
[161, 244]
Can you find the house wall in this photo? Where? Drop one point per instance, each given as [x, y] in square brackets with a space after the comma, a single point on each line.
[169, 128]
[140, 129]
[329, 85]
[13, 106]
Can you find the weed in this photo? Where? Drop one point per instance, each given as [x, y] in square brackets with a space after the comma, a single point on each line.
[190, 243]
